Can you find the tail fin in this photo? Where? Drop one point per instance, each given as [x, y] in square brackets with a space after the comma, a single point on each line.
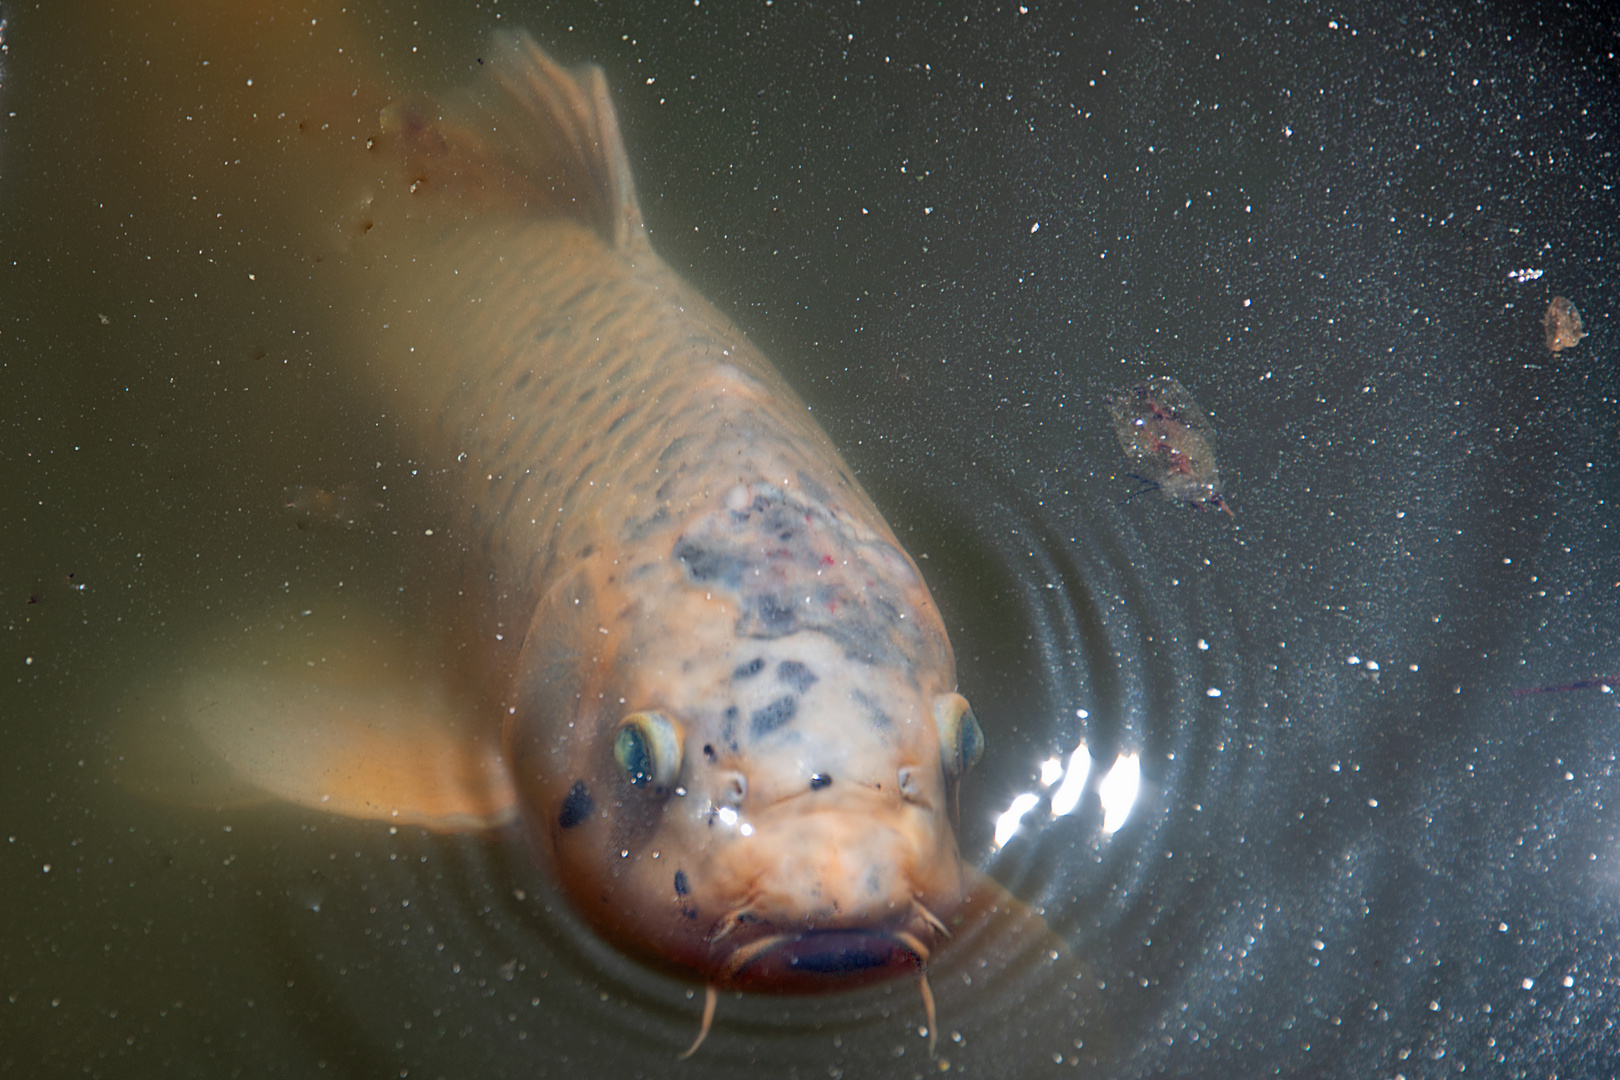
[530, 134]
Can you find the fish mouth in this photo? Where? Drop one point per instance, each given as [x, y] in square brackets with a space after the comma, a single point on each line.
[825, 959]
[820, 960]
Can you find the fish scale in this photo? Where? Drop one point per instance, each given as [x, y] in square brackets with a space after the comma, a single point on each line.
[627, 359]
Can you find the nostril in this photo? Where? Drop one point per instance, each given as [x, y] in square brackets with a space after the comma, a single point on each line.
[819, 781]
[733, 788]
[910, 782]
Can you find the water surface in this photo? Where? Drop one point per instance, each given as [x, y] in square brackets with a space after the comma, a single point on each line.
[958, 230]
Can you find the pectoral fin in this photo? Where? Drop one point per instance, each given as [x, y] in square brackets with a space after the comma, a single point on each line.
[339, 717]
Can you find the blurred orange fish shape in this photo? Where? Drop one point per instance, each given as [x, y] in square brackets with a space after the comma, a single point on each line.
[705, 676]
[1170, 441]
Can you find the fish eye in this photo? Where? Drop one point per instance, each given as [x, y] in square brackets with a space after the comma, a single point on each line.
[961, 741]
[648, 749]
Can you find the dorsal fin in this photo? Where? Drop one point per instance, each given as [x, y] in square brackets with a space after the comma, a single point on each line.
[529, 134]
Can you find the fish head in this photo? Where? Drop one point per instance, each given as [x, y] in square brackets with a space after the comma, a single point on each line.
[762, 812]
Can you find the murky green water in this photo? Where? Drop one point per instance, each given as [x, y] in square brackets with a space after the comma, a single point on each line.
[958, 230]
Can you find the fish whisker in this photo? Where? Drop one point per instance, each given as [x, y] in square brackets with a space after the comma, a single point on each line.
[729, 923]
[911, 941]
[928, 1012]
[752, 951]
[930, 918]
[711, 997]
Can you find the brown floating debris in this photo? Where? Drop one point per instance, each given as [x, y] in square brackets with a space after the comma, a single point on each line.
[1563, 325]
[345, 506]
[1170, 441]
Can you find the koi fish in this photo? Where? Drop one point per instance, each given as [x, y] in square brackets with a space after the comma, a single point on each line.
[705, 676]
[1166, 435]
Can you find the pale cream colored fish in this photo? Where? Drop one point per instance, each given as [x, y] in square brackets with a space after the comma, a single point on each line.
[725, 699]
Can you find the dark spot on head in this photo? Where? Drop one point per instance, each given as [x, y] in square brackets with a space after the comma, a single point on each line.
[750, 669]
[781, 711]
[708, 751]
[682, 886]
[577, 807]
[874, 712]
[794, 674]
[819, 781]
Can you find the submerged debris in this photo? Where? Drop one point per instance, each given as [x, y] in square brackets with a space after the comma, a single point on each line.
[1563, 325]
[1170, 441]
[345, 506]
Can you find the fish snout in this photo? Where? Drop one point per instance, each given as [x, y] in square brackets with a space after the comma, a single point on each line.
[837, 899]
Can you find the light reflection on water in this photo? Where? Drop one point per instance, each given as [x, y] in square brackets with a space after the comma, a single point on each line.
[1116, 792]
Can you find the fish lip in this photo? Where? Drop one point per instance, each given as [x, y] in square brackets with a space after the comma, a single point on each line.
[824, 959]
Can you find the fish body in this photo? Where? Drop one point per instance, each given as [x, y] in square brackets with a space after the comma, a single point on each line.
[725, 700]
[725, 717]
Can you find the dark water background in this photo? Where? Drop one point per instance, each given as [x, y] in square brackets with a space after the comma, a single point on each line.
[1365, 857]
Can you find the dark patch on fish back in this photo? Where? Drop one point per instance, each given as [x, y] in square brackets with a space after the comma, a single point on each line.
[814, 488]
[774, 617]
[682, 886]
[577, 807]
[638, 529]
[710, 564]
[676, 446]
[795, 565]
[750, 669]
[762, 722]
